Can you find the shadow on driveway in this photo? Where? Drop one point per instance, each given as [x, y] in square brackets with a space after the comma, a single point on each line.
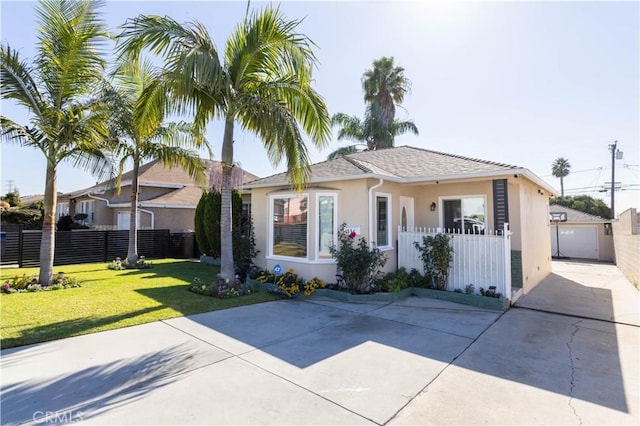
[78, 396]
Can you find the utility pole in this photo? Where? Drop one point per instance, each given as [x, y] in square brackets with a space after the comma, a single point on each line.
[615, 154]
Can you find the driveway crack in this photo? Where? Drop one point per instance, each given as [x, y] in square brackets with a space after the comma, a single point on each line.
[573, 370]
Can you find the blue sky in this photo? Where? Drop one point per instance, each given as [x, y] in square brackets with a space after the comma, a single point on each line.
[515, 82]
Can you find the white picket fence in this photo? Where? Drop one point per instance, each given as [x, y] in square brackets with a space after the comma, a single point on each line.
[481, 260]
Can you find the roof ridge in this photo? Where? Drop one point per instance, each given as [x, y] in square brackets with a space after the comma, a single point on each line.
[357, 164]
[578, 211]
[462, 157]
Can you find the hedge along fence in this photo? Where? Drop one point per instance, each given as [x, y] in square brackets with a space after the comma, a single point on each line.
[207, 229]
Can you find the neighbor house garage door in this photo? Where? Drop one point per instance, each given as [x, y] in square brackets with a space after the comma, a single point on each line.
[576, 241]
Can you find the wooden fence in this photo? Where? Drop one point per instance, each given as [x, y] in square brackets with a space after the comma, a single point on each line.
[22, 247]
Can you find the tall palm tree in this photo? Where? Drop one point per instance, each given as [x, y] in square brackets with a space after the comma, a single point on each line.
[262, 82]
[560, 169]
[137, 137]
[56, 90]
[366, 132]
[384, 87]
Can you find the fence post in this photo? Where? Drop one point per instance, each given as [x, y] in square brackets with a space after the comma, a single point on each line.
[506, 235]
[105, 245]
[20, 246]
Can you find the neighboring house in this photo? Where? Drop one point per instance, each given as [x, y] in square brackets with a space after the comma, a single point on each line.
[581, 236]
[167, 200]
[377, 192]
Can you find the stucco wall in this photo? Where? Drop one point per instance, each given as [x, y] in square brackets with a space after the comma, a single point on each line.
[626, 240]
[534, 234]
[353, 206]
[175, 220]
[351, 197]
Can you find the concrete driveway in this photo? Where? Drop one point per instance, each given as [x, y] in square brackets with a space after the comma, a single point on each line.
[416, 361]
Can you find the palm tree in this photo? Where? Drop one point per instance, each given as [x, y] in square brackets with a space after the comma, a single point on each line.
[137, 137]
[384, 87]
[56, 89]
[560, 169]
[366, 132]
[262, 82]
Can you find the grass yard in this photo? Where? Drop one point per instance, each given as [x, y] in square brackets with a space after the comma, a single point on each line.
[107, 300]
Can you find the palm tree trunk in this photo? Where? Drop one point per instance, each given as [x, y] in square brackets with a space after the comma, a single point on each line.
[561, 186]
[48, 241]
[226, 237]
[132, 252]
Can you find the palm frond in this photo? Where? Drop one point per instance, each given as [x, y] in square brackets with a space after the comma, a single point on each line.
[341, 152]
[10, 131]
[70, 43]
[16, 81]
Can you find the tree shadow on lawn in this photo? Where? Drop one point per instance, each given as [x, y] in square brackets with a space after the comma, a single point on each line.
[68, 328]
[184, 270]
[81, 395]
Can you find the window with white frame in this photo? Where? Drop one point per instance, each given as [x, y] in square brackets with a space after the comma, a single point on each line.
[62, 209]
[86, 207]
[289, 225]
[464, 214]
[327, 227]
[383, 220]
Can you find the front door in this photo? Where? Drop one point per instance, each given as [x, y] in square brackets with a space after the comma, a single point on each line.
[406, 213]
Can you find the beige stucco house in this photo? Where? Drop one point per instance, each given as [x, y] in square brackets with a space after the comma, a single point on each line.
[376, 192]
[167, 200]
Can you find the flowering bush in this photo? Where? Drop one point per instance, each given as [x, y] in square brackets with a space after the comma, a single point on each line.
[288, 284]
[26, 284]
[118, 264]
[311, 286]
[221, 289]
[359, 266]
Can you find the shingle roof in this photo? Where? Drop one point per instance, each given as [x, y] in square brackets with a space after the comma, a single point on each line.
[576, 215]
[155, 172]
[403, 162]
[187, 196]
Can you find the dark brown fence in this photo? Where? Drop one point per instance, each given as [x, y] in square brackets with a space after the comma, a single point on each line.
[85, 246]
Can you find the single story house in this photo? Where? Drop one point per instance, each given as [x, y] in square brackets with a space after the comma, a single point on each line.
[581, 236]
[167, 200]
[381, 194]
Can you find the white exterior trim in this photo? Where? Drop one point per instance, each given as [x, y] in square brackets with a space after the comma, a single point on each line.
[462, 176]
[460, 197]
[335, 224]
[269, 253]
[388, 196]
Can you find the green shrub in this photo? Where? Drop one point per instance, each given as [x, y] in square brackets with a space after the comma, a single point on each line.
[118, 264]
[26, 284]
[358, 265]
[222, 289]
[436, 254]
[207, 230]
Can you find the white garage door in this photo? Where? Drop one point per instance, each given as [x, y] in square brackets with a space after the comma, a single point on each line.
[575, 241]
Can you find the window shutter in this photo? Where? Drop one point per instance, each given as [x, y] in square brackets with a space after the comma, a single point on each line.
[500, 204]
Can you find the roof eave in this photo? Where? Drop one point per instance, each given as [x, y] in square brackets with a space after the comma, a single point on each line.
[484, 174]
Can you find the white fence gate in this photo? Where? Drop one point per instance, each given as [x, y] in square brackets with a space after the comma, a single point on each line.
[481, 260]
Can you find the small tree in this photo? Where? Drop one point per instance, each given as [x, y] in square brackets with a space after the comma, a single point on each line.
[13, 198]
[359, 266]
[436, 254]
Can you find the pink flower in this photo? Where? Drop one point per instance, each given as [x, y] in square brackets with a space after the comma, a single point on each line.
[352, 235]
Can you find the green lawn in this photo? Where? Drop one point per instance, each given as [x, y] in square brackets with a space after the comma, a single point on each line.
[108, 299]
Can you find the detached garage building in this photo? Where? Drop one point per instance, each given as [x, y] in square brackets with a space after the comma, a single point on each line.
[582, 236]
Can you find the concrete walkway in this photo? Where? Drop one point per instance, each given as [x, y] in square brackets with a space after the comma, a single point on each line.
[417, 361]
[590, 290]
